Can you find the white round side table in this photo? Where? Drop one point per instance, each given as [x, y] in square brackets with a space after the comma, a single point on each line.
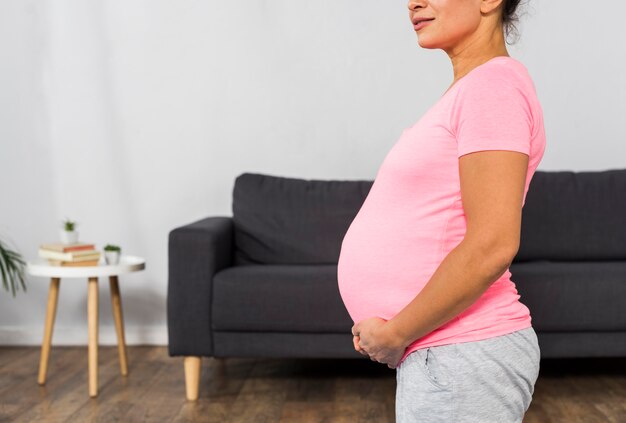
[127, 264]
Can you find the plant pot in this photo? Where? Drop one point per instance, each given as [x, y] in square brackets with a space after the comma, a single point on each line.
[112, 257]
[69, 237]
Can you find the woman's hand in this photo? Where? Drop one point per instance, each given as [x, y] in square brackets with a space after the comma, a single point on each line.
[371, 337]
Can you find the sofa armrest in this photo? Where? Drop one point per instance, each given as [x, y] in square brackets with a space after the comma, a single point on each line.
[196, 252]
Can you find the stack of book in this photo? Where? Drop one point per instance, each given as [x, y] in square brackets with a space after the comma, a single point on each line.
[78, 254]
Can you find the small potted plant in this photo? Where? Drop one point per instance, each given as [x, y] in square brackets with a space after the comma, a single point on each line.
[68, 234]
[112, 253]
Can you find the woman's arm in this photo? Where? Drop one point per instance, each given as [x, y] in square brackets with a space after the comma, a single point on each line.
[492, 189]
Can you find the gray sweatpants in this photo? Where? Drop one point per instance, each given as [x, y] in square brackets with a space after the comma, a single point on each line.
[491, 380]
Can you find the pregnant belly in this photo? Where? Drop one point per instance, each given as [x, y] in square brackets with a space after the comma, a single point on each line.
[378, 286]
[382, 266]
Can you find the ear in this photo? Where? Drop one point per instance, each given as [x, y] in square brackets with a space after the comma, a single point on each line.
[489, 6]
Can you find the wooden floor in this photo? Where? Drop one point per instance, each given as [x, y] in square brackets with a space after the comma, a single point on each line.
[267, 390]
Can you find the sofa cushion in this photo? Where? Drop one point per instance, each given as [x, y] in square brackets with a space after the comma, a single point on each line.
[282, 298]
[279, 220]
[572, 216]
[573, 296]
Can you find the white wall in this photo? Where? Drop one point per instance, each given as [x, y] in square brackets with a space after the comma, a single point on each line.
[135, 117]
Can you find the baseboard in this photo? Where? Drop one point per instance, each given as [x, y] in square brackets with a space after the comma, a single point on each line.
[72, 336]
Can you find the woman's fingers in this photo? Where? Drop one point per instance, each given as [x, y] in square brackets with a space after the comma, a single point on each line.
[355, 340]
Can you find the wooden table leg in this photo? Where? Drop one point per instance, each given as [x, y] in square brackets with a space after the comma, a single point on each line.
[53, 296]
[116, 305]
[92, 326]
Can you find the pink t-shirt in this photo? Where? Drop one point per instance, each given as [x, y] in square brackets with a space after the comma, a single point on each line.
[413, 215]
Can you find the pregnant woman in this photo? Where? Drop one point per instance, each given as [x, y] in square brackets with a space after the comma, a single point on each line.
[424, 266]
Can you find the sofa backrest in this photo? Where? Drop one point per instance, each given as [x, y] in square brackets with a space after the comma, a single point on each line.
[280, 220]
[567, 216]
[573, 216]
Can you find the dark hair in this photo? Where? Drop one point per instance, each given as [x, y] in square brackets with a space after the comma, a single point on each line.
[510, 16]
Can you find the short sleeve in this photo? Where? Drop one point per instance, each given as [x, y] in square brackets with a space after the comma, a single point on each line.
[492, 112]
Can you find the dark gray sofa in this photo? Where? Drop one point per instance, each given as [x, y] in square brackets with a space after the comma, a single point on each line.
[263, 282]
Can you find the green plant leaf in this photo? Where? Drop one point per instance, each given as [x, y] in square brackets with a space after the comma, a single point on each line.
[5, 280]
[11, 269]
[17, 272]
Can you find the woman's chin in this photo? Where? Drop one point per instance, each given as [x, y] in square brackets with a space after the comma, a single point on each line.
[424, 43]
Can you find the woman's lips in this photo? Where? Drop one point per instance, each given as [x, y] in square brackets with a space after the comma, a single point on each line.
[421, 24]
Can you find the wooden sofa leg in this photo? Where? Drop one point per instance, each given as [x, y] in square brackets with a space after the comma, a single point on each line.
[192, 376]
